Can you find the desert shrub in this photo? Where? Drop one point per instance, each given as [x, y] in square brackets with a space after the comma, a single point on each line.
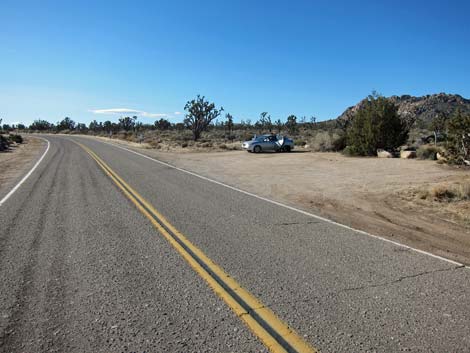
[247, 136]
[376, 125]
[339, 142]
[4, 143]
[463, 191]
[234, 147]
[442, 192]
[181, 137]
[450, 192]
[348, 151]
[324, 141]
[184, 145]
[459, 137]
[427, 152]
[223, 146]
[16, 138]
[131, 137]
[301, 143]
[154, 143]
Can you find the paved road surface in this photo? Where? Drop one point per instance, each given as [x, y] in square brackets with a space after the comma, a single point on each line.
[83, 270]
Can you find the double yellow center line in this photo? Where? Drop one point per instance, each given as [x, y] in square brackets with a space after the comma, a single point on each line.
[273, 332]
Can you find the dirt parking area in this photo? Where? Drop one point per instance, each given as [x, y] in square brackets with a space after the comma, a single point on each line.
[376, 195]
[17, 160]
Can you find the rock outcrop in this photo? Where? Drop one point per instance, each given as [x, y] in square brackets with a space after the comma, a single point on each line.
[420, 111]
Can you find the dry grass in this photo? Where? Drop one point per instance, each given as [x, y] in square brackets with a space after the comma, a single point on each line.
[316, 140]
[464, 191]
[447, 192]
[321, 141]
[428, 152]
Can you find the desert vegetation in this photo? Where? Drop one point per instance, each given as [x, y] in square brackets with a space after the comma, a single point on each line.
[448, 192]
[376, 123]
[7, 137]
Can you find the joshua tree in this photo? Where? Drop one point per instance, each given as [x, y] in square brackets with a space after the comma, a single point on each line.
[438, 124]
[200, 113]
[229, 125]
[291, 124]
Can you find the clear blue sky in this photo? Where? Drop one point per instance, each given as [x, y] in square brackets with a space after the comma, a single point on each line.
[69, 58]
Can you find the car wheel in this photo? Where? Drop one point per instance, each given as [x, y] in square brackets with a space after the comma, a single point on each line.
[257, 149]
[287, 148]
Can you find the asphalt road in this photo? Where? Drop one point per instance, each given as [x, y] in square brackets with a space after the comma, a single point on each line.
[83, 270]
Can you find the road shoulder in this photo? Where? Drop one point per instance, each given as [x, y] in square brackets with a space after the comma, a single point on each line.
[16, 162]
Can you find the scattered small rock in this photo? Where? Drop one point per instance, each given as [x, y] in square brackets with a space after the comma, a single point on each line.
[407, 154]
[384, 154]
[440, 157]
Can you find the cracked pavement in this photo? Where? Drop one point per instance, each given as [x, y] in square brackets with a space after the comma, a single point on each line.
[341, 290]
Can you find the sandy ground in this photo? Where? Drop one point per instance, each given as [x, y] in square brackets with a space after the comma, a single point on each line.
[371, 194]
[16, 161]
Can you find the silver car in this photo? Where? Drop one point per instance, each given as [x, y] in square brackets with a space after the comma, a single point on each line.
[263, 143]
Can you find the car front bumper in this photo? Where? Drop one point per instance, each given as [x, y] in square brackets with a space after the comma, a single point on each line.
[247, 147]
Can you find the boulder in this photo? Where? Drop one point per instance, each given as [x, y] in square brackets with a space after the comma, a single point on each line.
[407, 154]
[440, 157]
[384, 154]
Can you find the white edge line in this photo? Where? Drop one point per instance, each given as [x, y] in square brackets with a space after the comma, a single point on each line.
[288, 207]
[12, 191]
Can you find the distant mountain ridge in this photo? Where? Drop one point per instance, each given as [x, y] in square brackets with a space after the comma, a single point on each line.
[421, 110]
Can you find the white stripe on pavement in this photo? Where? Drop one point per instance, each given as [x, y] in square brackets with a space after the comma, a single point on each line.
[12, 191]
[288, 207]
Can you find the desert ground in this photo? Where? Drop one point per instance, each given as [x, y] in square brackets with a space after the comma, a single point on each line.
[18, 160]
[392, 198]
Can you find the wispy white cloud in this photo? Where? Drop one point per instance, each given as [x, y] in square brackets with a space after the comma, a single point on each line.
[177, 113]
[126, 111]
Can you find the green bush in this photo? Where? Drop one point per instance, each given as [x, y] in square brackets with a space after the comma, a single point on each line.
[348, 151]
[16, 138]
[4, 143]
[427, 152]
[339, 142]
[376, 125]
[459, 137]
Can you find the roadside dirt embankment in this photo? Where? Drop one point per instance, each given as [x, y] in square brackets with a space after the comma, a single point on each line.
[18, 160]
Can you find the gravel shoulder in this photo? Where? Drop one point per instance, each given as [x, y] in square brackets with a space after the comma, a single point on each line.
[17, 161]
[374, 195]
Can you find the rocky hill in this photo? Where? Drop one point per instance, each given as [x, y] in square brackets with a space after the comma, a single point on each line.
[421, 110]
